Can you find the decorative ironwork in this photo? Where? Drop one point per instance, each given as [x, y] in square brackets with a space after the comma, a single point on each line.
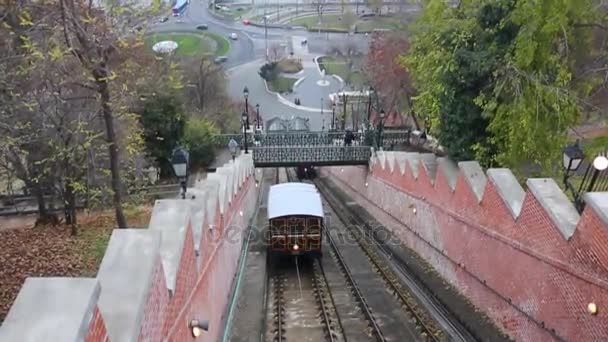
[314, 138]
[311, 155]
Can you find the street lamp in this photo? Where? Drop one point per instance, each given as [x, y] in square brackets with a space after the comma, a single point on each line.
[573, 156]
[180, 161]
[245, 119]
[333, 115]
[369, 104]
[257, 110]
[233, 146]
[246, 95]
[380, 128]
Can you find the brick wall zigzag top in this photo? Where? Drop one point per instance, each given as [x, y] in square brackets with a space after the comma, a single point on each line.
[555, 203]
[171, 217]
[212, 187]
[198, 212]
[67, 304]
[125, 276]
[222, 181]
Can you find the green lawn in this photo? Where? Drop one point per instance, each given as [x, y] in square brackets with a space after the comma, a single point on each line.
[333, 22]
[221, 43]
[312, 23]
[378, 23]
[282, 84]
[338, 66]
[189, 44]
[236, 12]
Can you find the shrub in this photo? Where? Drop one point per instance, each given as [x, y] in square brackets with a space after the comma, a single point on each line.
[290, 66]
[198, 139]
[269, 71]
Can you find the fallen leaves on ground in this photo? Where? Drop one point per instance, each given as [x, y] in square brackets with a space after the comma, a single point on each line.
[51, 252]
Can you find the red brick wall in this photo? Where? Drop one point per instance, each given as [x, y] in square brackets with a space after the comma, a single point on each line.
[530, 280]
[154, 317]
[209, 298]
[97, 329]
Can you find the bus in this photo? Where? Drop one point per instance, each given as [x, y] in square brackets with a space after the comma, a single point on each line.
[180, 7]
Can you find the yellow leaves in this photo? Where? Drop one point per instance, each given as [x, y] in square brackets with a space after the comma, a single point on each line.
[25, 19]
[56, 53]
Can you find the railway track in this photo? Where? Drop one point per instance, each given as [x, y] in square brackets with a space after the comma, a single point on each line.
[374, 326]
[426, 312]
[302, 307]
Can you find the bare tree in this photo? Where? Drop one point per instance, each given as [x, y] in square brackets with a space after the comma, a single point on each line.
[101, 44]
[319, 6]
[276, 52]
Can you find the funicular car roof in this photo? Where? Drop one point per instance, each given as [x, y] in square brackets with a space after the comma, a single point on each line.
[294, 199]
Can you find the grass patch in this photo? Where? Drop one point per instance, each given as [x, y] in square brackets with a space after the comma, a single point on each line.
[312, 23]
[222, 44]
[333, 22]
[189, 44]
[339, 66]
[370, 24]
[282, 84]
[234, 13]
[290, 66]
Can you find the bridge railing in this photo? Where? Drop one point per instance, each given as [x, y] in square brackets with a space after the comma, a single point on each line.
[276, 156]
[313, 138]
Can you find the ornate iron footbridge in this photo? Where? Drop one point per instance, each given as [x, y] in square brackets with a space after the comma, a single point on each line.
[276, 149]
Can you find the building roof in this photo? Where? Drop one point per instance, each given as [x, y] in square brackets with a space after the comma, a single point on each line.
[294, 199]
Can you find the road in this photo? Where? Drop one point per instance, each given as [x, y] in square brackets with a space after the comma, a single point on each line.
[248, 52]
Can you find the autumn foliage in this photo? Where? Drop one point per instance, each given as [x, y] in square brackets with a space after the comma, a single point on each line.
[389, 78]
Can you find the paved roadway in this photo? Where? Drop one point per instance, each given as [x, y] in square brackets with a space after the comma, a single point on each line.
[247, 53]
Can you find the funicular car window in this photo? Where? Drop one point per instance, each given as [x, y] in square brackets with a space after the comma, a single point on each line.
[313, 225]
[297, 225]
[279, 227]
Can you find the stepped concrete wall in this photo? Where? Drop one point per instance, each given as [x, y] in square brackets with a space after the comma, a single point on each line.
[525, 257]
[152, 282]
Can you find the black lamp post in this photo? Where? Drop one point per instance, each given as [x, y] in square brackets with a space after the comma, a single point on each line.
[333, 115]
[233, 146]
[257, 110]
[572, 158]
[245, 118]
[180, 161]
[369, 104]
[381, 128]
[246, 95]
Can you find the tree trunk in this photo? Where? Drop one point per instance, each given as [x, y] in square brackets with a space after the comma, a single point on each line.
[70, 209]
[108, 117]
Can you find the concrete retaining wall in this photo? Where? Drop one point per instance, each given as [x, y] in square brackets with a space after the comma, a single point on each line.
[153, 281]
[526, 258]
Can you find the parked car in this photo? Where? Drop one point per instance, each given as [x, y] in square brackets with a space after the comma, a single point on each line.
[164, 19]
[202, 27]
[220, 59]
[233, 36]
[246, 21]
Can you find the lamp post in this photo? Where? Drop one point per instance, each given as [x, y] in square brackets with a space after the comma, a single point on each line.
[322, 117]
[246, 95]
[257, 110]
[333, 115]
[245, 119]
[180, 160]
[232, 147]
[381, 128]
[369, 104]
